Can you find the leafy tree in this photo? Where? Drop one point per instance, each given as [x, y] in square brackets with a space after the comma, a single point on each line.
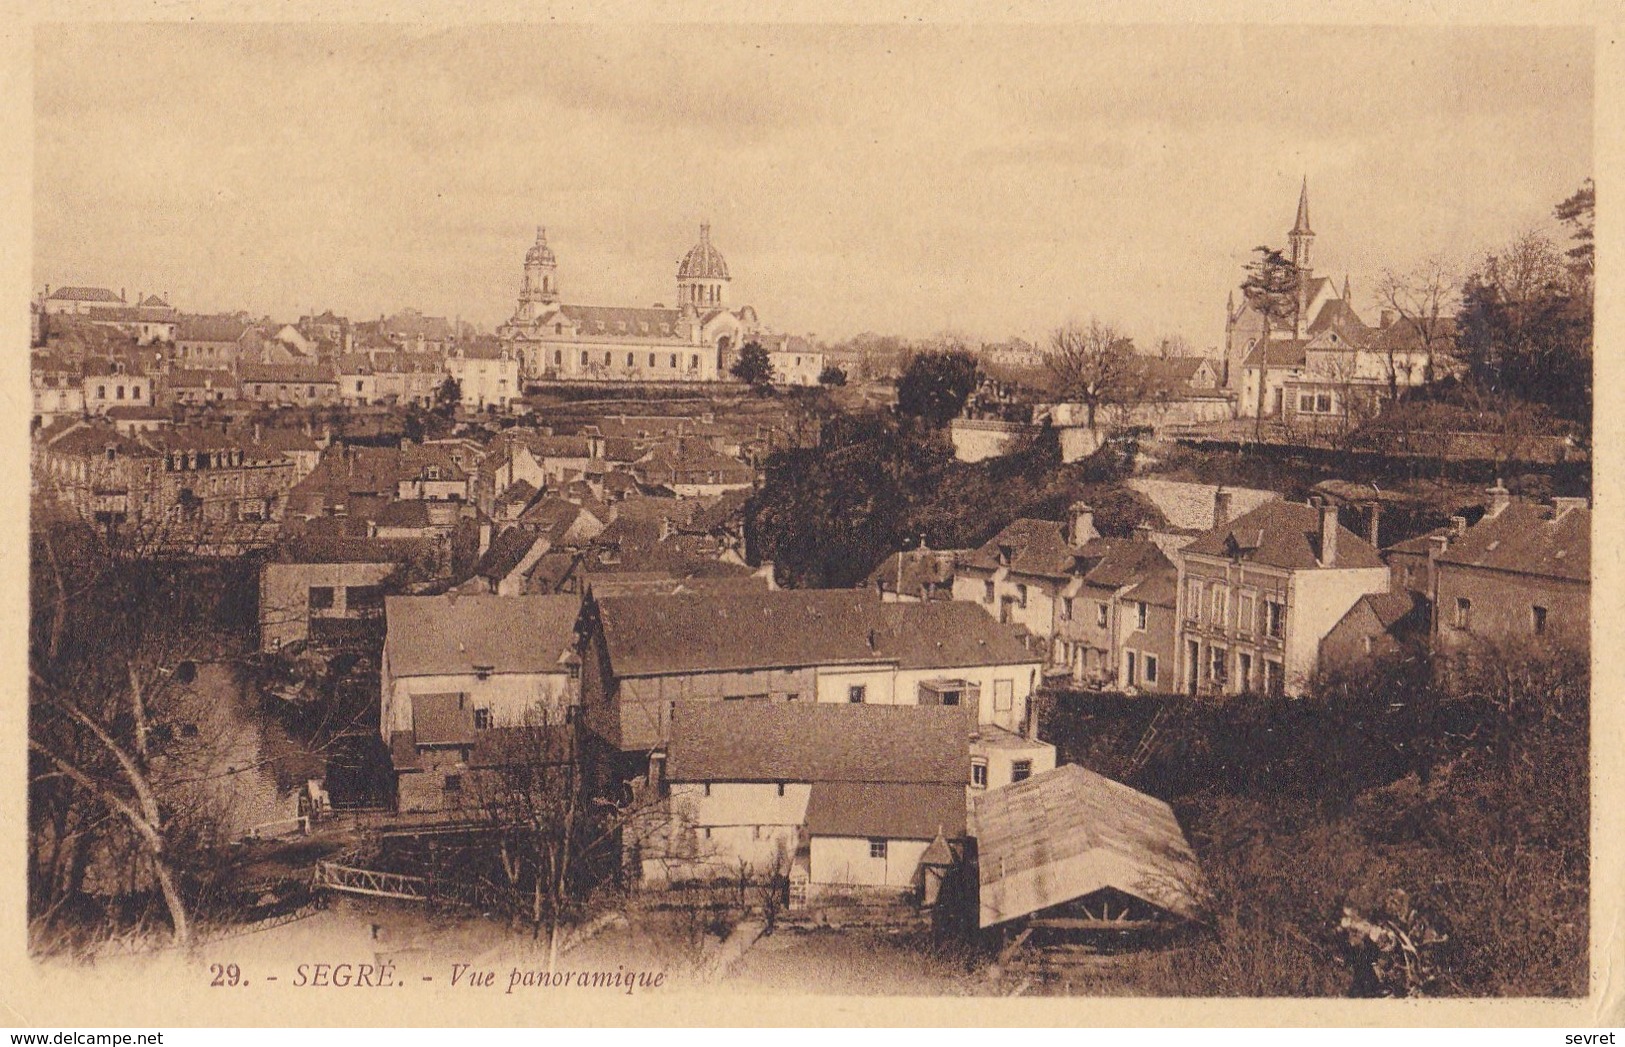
[1093, 365]
[1525, 328]
[753, 367]
[1271, 288]
[448, 396]
[1579, 213]
[831, 375]
[936, 385]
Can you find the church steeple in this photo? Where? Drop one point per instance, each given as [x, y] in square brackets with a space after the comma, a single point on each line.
[1301, 236]
[1347, 298]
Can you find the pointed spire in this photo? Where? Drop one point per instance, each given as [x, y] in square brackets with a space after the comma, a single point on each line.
[1346, 296]
[705, 232]
[1301, 226]
[1230, 304]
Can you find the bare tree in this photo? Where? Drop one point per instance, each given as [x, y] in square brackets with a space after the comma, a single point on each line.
[1094, 365]
[1424, 301]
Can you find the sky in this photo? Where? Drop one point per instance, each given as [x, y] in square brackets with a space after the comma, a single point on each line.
[984, 180]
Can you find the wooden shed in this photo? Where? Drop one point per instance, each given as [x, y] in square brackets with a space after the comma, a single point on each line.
[1070, 850]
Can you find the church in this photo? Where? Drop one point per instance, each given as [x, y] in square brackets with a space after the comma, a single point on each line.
[1323, 364]
[695, 340]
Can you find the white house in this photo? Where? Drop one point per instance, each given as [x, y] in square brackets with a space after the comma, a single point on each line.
[830, 795]
[511, 655]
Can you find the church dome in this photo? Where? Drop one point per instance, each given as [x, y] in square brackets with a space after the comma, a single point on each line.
[703, 262]
[540, 253]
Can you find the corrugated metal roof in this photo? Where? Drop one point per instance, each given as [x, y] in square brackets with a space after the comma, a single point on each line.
[1068, 833]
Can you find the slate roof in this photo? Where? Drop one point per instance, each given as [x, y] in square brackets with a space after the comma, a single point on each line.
[1038, 548]
[1528, 539]
[1160, 589]
[920, 568]
[757, 741]
[1126, 561]
[210, 329]
[1189, 506]
[626, 322]
[1286, 535]
[336, 549]
[293, 374]
[407, 512]
[435, 635]
[85, 294]
[1278, 352]
[199, 378]
[442, 719]
[886, 810]
[804, 627]
[505, 553]
[1068, 833]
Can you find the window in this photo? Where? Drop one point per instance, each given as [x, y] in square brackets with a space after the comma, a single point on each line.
[101, 392]
[1244, 614]
[1131, 669]
[135, 392]
[608, 358]
[1193, 600]
[1244, 671]
[321, 597]
[651, 359]
[673, 355]
[1020, 771]
[583, 358]
[1217, 662]
[978, 773]
[482, 719]
[1066, 608]
[1140, 615]
[877, 849]
[558, 354]
[781, 788]
[1004, 695]
[1537, 620]
[1150, 668]
[1005, 553]
[1323, 403]
[1221, 594]
[118, 392]
[1101, 611]
[1306, 402]
[454, 783]
[629, 359]
[856, 693]
[1464, 612]
[987, 592]
[1021, 596]
[1273, 677]
[1274, 618]
[694, 362]
[708, 793]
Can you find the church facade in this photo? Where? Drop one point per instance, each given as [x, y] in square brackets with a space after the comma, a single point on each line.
[692, 341]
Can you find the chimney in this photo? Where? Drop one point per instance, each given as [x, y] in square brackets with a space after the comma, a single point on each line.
[485, 538]
[1388, 318]
[1500, 498]
[1437, 544]
[1376, 517]
[1083, 523]
[1458, 526]
[1221, 507]
[1328, 534]
[1143, 531]
[1561, 506]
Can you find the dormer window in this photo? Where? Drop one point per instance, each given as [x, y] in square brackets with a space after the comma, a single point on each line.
[483, 672]
[1006, 553]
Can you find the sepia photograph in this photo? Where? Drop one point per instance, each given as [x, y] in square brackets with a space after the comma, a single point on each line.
[548, 515]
